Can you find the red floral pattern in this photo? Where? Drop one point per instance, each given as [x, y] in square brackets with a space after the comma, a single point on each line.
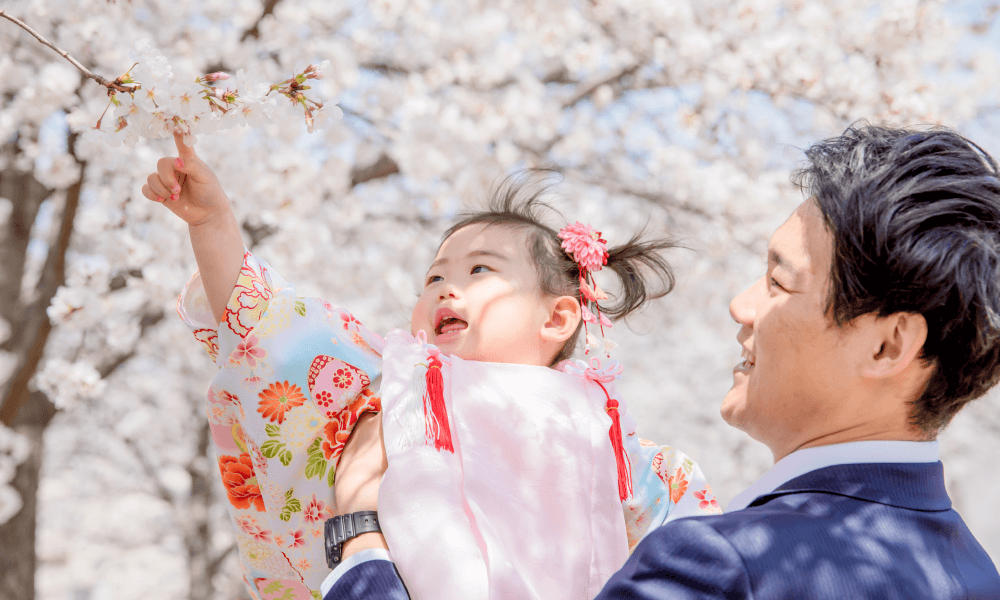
[706, 499]
[250, 297]
[337, 431]
[240, 481]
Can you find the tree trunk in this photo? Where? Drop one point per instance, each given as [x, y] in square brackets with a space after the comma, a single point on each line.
[17, 552]
[28, 413]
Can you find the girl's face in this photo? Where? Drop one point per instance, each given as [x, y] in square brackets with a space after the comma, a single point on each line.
[481, 299]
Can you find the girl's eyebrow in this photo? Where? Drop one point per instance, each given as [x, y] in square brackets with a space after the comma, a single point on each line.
[474, 253]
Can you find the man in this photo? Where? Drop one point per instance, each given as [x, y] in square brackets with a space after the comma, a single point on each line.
[877, 320]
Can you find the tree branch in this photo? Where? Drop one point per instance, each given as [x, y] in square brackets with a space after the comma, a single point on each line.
[383, 166]
[586, 90]
[111, 85]
[254, 31]
[147, 321]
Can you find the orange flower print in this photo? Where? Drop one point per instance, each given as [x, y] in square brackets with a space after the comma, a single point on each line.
[316, 510]
[706, 499]
[335, 437]
[240, 481]
[279, 398]
[677, 484]
[249, 350]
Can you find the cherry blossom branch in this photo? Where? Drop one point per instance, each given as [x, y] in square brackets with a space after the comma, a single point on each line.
[113, 86]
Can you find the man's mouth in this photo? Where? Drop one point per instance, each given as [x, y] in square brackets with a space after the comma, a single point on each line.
[447, 320]
[748, 360]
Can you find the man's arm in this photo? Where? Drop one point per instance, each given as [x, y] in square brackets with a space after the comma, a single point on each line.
[684, 559]
[365, 570]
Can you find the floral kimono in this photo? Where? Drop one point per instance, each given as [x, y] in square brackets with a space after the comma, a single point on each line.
[465, 470]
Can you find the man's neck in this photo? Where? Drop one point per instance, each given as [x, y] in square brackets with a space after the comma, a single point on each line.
[866, 432]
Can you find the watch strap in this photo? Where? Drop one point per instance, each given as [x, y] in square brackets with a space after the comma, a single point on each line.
[341, 528]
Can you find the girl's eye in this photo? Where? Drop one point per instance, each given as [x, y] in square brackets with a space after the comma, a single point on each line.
[480, 269]
[434, 279]
[775, 284]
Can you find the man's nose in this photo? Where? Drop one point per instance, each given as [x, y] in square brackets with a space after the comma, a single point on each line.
[742, 307]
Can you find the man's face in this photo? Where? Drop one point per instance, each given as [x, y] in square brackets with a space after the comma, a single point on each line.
[481, 299]
[797, 363]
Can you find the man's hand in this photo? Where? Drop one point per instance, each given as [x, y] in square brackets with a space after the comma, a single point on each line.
[359, 475]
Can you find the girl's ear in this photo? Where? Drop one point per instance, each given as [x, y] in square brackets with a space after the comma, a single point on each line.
[564, 318]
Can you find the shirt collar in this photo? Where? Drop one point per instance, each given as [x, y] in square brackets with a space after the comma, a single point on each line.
[805, 460]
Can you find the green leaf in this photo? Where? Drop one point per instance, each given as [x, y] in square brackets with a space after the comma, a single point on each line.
[272, 430]
[270, 448]
[274, 586]
[293, 505]
[285, 456]
[289, 494]
[285, 514]
[300, 307]
[315, 466]
[331, 476]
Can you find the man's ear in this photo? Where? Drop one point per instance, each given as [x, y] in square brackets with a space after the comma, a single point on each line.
[897, 343]
[564, 318]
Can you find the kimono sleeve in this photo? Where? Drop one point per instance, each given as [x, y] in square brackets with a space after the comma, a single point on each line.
[666, 485]
[294, 375]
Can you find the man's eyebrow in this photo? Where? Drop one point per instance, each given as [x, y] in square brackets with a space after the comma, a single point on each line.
[472, 254]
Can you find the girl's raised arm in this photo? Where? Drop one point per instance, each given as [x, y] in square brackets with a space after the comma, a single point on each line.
[186, 186]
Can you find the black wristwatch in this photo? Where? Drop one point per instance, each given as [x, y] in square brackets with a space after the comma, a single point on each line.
[344, 527]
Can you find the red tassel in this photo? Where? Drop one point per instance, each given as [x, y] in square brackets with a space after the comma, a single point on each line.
[435, 412]
[621, 457]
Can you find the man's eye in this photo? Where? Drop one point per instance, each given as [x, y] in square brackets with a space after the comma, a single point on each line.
[775, 284]
[480, 269]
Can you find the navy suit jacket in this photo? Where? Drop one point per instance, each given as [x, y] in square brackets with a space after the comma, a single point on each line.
[861, 531]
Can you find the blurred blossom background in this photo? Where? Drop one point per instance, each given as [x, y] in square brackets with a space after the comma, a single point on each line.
[684, 117]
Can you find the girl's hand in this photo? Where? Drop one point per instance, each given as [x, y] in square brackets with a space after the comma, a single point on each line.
[186, 186]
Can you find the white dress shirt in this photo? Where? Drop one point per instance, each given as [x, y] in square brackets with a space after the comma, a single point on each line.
[803, 461]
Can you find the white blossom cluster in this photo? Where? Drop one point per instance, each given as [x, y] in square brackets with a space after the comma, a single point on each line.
[685, 118]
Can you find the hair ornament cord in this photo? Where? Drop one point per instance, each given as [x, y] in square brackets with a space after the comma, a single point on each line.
[589, 251]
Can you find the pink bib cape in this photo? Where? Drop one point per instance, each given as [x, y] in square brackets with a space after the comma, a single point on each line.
[525, 505]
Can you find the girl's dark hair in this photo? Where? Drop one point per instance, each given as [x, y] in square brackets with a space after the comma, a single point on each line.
[915, 221]
[643, 273]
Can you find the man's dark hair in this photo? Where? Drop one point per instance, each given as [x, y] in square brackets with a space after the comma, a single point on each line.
[915, 221]
[643, 273]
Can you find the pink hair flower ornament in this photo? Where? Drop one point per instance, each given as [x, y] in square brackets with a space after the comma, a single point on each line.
[585, 245]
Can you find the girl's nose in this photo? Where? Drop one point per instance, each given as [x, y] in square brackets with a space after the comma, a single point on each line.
[742, 307]
[447, 292]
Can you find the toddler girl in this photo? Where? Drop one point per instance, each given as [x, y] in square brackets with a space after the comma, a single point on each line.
[493, 440]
